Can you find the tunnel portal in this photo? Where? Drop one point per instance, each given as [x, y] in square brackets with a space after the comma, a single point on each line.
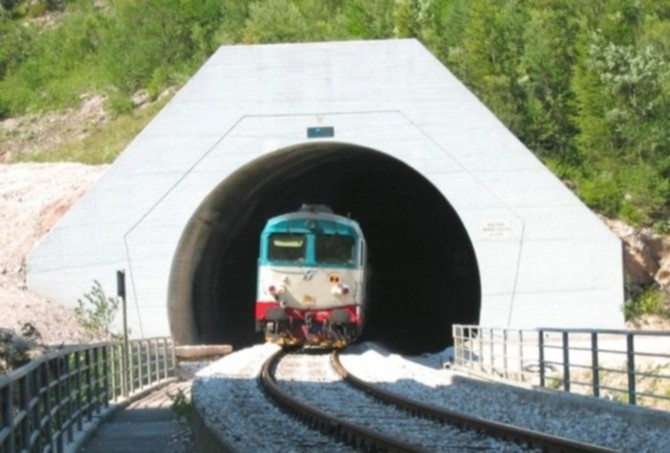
[423, 270]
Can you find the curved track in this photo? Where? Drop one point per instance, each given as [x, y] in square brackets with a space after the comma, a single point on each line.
[370, 438]
[341, 429]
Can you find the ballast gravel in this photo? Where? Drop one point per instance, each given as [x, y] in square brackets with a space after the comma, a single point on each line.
[227, 395]
[604, 423]
[229, 399]
[311, 379]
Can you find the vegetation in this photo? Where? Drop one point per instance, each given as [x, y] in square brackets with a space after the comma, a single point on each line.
[15, 348]
[652, 384]
[584, 84]
[96, 314]
[181, 405]
[102, 144]
[649, 301]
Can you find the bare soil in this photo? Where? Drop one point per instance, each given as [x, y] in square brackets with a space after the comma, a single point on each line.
[33, 197]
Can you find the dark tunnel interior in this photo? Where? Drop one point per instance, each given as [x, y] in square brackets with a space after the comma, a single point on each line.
[423, 270]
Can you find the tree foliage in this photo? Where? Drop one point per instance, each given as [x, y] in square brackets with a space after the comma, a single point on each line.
[586, 85]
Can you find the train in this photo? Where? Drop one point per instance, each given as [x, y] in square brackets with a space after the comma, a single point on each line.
[311, 279]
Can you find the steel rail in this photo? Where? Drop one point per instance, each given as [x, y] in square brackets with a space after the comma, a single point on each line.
[343, 430]
[503, 431]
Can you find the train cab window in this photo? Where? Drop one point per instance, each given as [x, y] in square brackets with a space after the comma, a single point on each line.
[331, 249]
[287, 247]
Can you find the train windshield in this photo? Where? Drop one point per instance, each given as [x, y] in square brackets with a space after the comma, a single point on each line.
[331, 249]
[287, 247]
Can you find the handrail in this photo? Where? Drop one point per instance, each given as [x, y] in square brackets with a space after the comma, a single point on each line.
[587, 361]
[45, 403]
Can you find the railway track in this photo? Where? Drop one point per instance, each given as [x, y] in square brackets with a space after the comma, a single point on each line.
[370, 420]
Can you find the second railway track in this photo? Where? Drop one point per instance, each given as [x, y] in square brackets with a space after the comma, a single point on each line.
[330, 398]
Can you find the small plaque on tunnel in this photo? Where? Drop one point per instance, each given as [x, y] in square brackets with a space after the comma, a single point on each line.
[320, 132]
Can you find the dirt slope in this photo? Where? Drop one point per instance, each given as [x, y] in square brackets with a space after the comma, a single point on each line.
[33, 197]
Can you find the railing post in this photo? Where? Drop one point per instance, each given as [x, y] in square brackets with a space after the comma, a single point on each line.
[78, 398]
[125, 369]
[173, 358]
[630, 364]
[540, 345]
[155, 361]
[121, 293]
[100, 379]
[522, 375]
[68, 392]
[491, 352]
[7, 416]
[89, 384]
[24, 398]
[566, 361]
[166, 359]
[149, 360]
[480, 335]
[106, 377]
[58, 398]
[505, 373]
[595, 368]
[140, 364]
[113, 371]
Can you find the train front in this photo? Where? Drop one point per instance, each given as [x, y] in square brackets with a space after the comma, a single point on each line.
[311, 279]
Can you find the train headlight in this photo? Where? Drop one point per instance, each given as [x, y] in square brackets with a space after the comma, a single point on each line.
[276, 290]
[340, 290]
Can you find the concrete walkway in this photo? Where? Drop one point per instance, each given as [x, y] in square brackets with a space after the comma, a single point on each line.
[146, 425]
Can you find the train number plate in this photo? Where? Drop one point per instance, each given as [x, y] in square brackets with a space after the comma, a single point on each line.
[308, 299]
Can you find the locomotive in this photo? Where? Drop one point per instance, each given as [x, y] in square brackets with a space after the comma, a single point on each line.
[311, 279]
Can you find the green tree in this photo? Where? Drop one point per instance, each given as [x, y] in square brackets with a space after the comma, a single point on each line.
[52, 67]
[546, 70]
[492, 51]
[273, 21]
[444, 29]
[624, 94]
[369, 19]
[146, 40]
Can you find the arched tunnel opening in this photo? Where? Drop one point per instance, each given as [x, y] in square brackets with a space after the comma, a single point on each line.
[423, 270]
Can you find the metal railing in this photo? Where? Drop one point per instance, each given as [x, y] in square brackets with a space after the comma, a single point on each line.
[626, 366]
[45, 403]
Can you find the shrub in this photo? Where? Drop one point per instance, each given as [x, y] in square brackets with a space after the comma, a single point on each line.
[96, 314]
[648, 302]
[181, 405]
[15, 348]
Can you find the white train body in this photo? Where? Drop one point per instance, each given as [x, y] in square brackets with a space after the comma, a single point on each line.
[311, 279]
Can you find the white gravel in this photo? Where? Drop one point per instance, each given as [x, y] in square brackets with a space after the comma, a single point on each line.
[228, 396]
[585, 419]
[311, 379]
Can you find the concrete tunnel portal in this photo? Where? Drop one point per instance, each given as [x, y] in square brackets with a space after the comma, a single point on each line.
[423, 270]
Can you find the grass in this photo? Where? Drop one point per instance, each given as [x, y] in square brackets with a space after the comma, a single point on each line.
[103, 144]
[650, 301]
[651, 379]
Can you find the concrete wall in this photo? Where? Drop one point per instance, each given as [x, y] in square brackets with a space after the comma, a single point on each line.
[544, 258]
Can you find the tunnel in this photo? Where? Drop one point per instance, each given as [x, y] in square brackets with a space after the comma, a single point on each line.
[423, 273]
